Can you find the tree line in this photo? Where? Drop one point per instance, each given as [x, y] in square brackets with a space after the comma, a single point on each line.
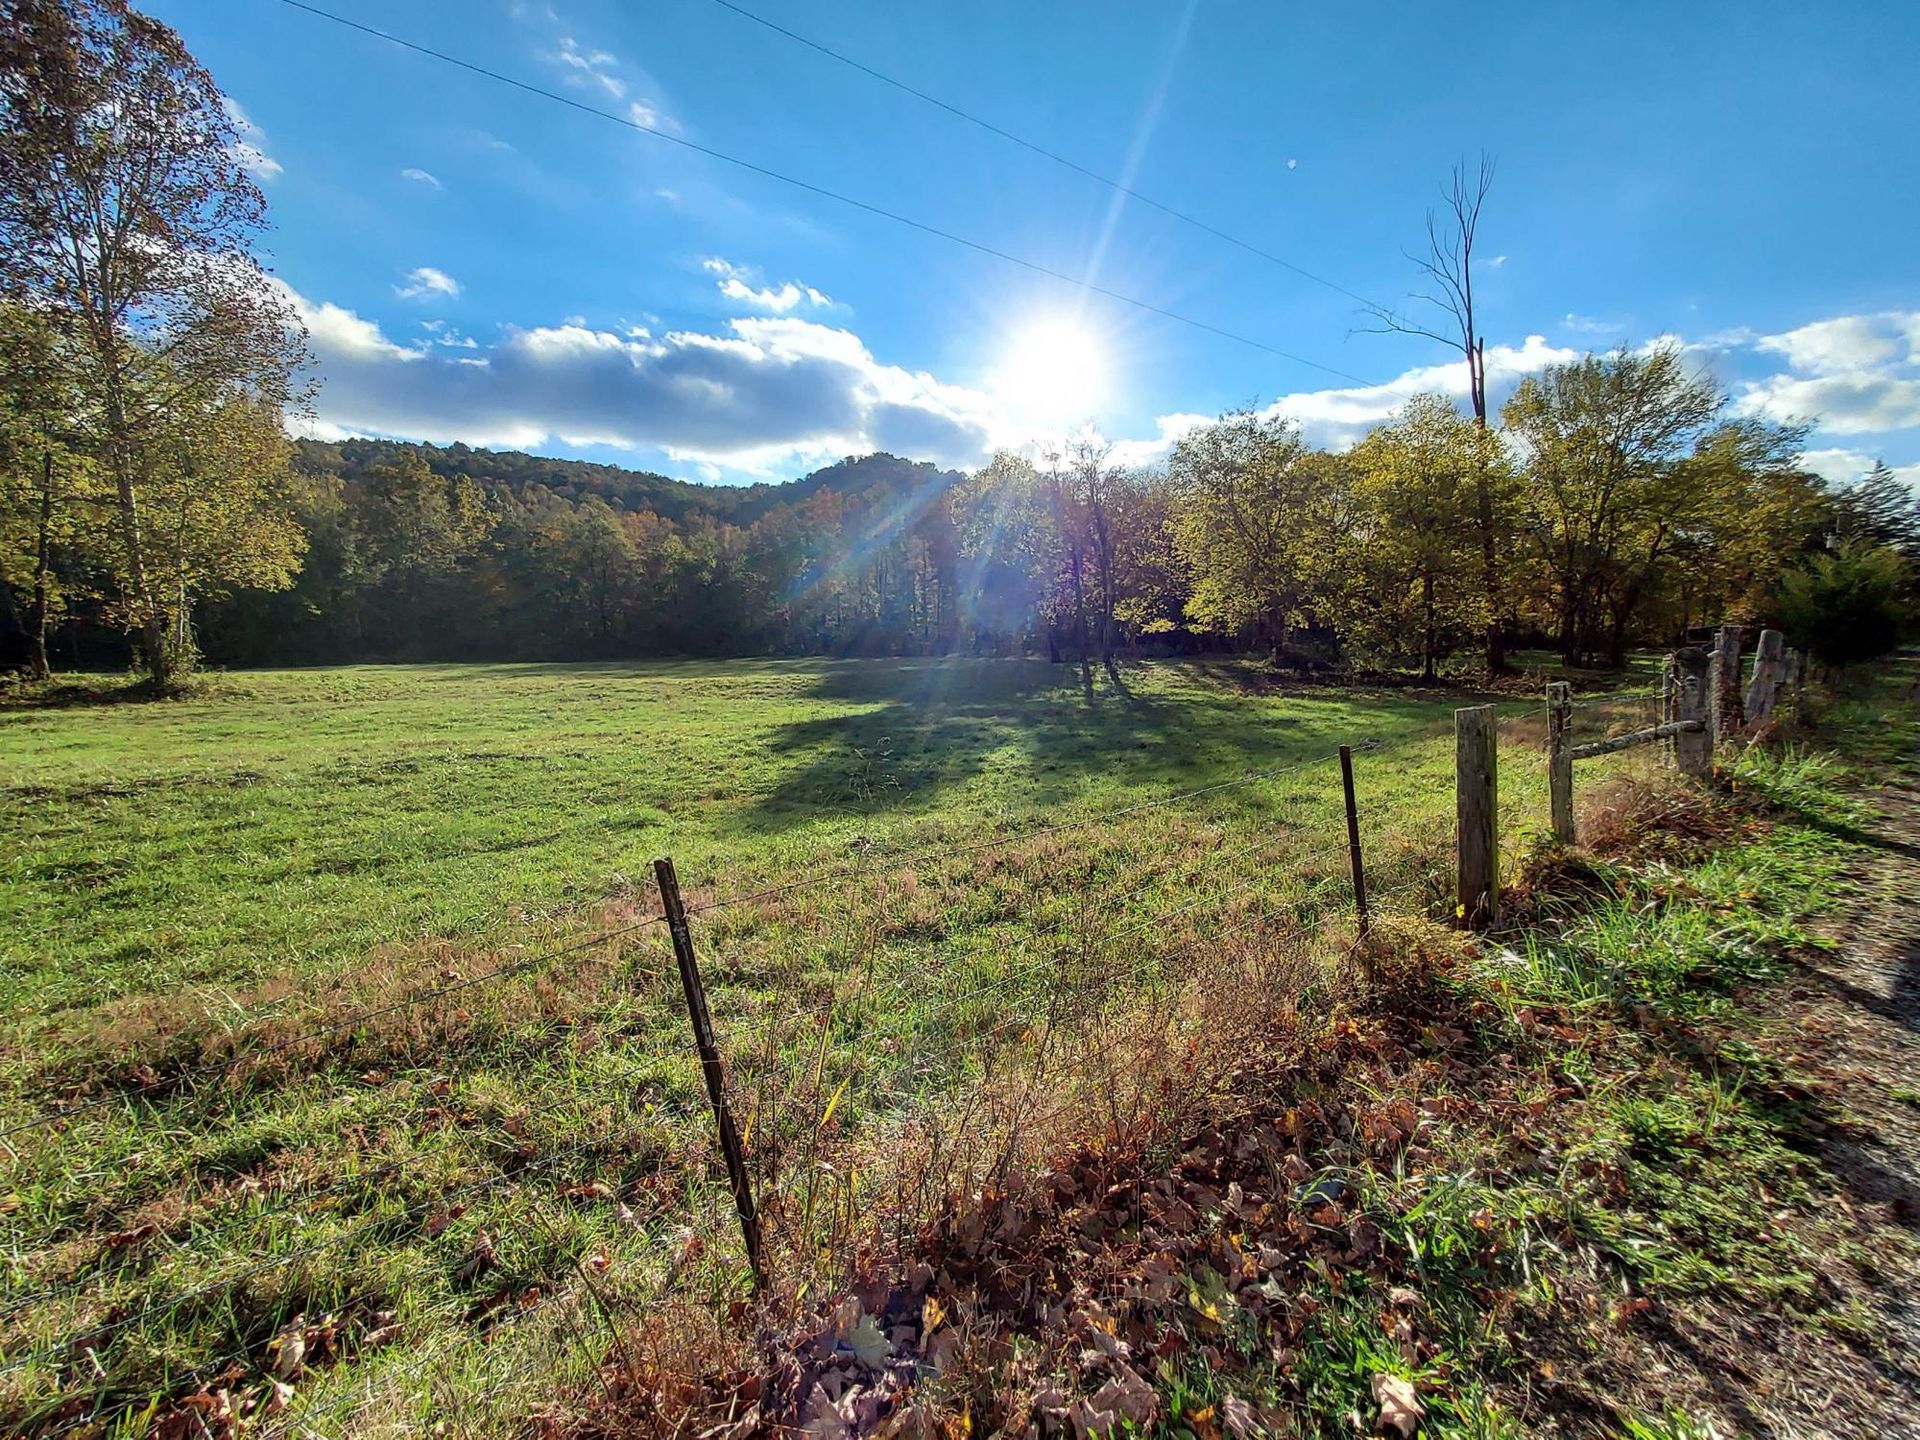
[1627, 507]
[153, 509]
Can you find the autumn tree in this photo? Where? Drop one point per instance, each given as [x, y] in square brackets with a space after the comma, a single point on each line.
[418, 529]
[1259, 523]
[1417, 480]
[127, 219]
[1006, 519]
[46, 484]
[1629, 462]
[1879, 509]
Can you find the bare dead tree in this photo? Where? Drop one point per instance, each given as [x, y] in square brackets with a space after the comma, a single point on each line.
[1448, 268]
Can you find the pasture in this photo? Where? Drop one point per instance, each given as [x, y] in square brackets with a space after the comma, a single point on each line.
[337, 1019]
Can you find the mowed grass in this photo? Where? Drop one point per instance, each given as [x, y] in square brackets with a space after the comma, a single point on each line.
[287, 944]
[288, 821]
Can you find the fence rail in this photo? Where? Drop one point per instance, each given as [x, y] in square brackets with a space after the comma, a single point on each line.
[1701, 703]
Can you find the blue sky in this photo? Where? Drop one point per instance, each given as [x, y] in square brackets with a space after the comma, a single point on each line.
[478, 263]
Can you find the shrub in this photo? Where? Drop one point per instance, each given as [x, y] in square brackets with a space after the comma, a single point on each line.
[1846, 605]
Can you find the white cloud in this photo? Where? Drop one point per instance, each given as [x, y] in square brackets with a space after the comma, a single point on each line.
[774, 392]
[1859, 374]
[735, 283]
[444, 334]
[1591, 325]
[1837, 467]
[425, 282]
[763, 393]
[338, 332]
[589, 68]
[1339, 418]
[1141, 454]
[649, 116]
[250, 148]
[1849, 343]
[1845, 467]
[421, 177]
[1858, 403]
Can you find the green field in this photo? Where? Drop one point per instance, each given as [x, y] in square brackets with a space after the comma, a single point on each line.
[250, 940]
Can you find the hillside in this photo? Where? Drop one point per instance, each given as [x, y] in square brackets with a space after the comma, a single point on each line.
[514, 471]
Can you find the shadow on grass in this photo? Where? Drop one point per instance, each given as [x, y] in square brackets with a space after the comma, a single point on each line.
[936, 725]
[59, 694]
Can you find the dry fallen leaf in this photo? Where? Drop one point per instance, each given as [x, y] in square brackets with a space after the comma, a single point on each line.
[1400, 1408]
[289, 1349]
[1242, 1423]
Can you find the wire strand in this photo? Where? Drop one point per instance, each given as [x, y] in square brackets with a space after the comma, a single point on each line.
[840, 197]
[1119, 187]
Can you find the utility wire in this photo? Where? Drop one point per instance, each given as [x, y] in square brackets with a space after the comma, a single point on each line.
[1119, 187]
[840, 197]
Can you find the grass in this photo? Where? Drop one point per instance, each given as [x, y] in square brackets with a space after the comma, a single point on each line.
[287, 823]
[1558, 1181]
[446, 1203]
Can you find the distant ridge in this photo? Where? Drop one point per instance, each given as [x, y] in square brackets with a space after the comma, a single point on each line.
[515, 472]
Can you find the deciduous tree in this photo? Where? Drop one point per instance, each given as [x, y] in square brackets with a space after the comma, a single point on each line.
[128, 219]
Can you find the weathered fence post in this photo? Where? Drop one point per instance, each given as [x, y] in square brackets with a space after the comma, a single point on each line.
[1669, 707]
[696, 993]
[1723, 683]
[1353, 843]
[1476, 783]
[1560, 759]
[1769, 673]
[1692, 749]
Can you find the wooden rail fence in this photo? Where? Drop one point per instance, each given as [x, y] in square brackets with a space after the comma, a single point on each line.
[1702, 704]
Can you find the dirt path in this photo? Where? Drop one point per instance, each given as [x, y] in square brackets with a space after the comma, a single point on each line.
[1849, 1018]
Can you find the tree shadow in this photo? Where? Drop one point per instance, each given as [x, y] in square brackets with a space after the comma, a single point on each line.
[932, 727]
[74, 695]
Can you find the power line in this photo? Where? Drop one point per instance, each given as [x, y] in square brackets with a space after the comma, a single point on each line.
[1119, 187]
[839, 197]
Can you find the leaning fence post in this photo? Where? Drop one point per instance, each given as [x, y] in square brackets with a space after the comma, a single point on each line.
[696, 993]
[1769, 671]
[1723, 683]
[1476, 783]
[1692, 749]
[1560, 759]
[1353, 842]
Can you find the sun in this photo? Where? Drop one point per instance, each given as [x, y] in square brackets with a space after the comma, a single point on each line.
[1053, 373]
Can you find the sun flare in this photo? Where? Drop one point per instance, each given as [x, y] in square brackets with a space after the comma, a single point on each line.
[1054, 373]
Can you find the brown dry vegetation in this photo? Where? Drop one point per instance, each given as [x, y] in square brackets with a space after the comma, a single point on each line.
[1427, 1162]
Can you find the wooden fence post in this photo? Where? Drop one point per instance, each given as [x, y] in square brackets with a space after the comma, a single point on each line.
[1692, 749]
[1769, 673]
[1477, 793]
[1560, 759]
[696, 993]
[1723, 684]
[1353, 842]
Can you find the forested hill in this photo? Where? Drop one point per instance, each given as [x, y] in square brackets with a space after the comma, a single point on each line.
[514, 473]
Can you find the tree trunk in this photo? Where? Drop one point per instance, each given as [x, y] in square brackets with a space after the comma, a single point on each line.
[1428, 641]
[152, 625]
[1483, 505]
[37, 665]
[1080, 615]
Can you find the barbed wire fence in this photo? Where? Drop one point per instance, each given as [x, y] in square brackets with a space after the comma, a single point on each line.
[892, 1033]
